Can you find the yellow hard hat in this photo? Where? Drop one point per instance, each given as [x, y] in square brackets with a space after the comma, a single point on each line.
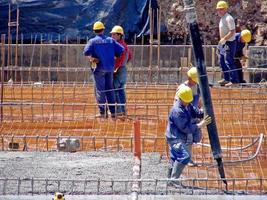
[192, 73]
[221, 5]
[117, 29]
[185, 94]
[98, 26]
[246, 35]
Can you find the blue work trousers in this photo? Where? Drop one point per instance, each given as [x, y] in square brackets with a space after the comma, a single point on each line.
[179, 152]
[120, 78]
[227, 53]
[104, 90]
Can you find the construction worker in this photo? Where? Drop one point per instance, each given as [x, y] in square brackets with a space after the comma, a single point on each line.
[120, 71]
[181, 131]
[192, 82]
[101, 51]
[227, 45]
[242, 39]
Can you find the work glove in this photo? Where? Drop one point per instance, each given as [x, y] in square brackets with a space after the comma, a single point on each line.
[206, 121]
[222, 41]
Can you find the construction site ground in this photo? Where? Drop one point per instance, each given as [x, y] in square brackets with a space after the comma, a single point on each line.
[141, 197]
[37, 116]
[87, 166]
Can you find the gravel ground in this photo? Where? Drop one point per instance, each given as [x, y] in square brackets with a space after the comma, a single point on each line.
[103, 166]
[77, 166]
[124, 197]
[80, 165]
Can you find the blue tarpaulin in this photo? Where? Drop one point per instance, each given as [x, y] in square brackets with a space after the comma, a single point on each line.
[74, 18]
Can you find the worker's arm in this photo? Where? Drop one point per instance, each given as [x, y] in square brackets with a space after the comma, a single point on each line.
[227, 37]
[231, 27]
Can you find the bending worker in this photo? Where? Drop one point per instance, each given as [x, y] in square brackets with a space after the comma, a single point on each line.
[192, 82]
[242, 39]
[101, 51]
[227, 45]
[120, 71]
[181, 131]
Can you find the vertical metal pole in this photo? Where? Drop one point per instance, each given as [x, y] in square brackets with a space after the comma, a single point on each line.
[137, 160]
[150, 41]
[2, 73]
[191, 19]
[17, 38]
[9, 35]
[21, 59]
[159, 22]
[137, 139]
[67, 59]
[40, 61]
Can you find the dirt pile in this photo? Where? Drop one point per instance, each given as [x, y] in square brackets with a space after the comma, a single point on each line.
[251, 14]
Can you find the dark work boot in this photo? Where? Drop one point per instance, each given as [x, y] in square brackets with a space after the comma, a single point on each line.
[176, 172]
[169, 172]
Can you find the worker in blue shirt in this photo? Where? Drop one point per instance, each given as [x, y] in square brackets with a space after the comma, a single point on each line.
[181, 131]
[192, 82]
[241, 41]
[101, 51]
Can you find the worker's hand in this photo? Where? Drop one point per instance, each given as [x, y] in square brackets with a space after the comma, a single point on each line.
[94, 60]
[115, 70]
[206, 121]
[244, 57]
[222, 41]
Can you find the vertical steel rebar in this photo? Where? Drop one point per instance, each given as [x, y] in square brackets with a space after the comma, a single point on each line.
[9, 36]
[32, 186]
[18, 186]
[159, 41]
[21, 58]
[17, 38]
[150, 11]
[2, 73]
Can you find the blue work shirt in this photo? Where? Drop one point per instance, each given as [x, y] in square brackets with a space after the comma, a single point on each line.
[180, 127]
[104, 49]
[239, 46]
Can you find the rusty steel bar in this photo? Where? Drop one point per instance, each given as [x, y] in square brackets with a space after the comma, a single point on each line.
[154, 186]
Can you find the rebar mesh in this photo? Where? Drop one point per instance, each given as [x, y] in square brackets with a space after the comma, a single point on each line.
[49, 96]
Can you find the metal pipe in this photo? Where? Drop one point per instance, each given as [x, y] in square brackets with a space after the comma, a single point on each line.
[9, 36]
[191, 19]
[159, 42]
[17, 38]
[150, 11]
[2, 73]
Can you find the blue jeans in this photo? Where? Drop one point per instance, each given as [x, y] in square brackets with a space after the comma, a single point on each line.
[119, 82]
[227, 53]
[104, 90]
